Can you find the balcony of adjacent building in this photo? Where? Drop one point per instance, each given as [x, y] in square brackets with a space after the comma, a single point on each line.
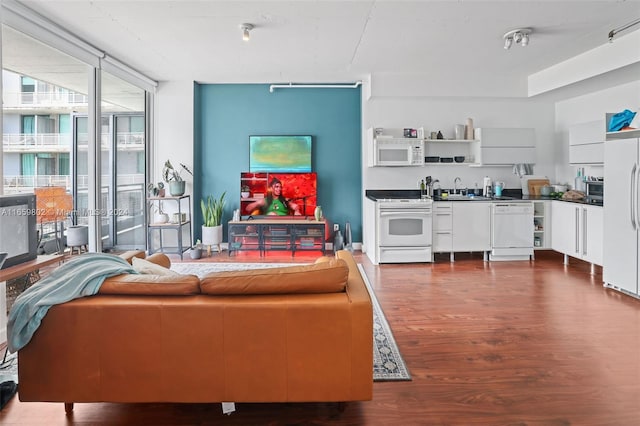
[55, 101]
[26, 183]
[61, 142]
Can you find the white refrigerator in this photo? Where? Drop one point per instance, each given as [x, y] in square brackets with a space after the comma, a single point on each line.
[622, 214]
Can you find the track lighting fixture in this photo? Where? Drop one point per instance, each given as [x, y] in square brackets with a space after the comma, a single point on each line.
[615, 31]
[245, 31]
[519, 36]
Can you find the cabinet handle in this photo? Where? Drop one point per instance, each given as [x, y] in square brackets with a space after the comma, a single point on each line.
[577, 230]
[584, 231]
[632, 196]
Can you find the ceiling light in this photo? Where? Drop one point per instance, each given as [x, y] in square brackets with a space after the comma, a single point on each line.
[520, 36]
[517, 37]
[245, 31]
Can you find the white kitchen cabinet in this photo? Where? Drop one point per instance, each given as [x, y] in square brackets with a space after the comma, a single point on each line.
[578, 230]
[442, 227]
[586, 143]
[461, 226]
[505, 146]
[471, 226]
[593, 231]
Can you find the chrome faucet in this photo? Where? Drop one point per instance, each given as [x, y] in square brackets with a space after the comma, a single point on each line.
[456, 181]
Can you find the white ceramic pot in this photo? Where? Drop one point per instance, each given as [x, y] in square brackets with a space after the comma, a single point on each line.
[177, 188]
[196, 253]
[211, 235]
[245, 194]
[162, 218]
[77, 236]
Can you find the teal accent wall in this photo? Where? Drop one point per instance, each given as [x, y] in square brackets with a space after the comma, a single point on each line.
[226, 114]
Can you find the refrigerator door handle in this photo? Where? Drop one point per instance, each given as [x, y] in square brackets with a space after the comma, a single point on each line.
[632, 196]
[637, 199]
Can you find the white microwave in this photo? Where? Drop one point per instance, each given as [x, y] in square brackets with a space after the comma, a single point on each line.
[398, 152]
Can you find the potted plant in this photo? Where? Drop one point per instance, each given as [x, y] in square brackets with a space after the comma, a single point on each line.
[156, 190]
[212, 220]
[172, 176]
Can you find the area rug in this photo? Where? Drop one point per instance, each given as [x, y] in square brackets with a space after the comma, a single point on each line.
[8, 366]
[388, 364]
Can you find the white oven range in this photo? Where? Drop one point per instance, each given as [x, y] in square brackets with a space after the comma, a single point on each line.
[404, 230]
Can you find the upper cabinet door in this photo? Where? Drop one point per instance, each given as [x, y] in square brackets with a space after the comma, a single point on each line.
[505, 146]
[586, 143]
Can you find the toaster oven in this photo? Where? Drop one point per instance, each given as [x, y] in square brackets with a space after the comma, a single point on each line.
[595, 191]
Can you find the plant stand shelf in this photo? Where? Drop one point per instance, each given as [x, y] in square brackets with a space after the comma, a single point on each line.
[173, 237]
[263, 235]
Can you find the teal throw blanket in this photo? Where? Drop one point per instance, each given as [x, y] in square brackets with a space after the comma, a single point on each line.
[79, 277]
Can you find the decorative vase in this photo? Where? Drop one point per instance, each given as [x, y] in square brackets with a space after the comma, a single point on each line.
[338, 241]
[177, 188]
[348, 243]
[469, 131]
[317, 213]
[245, 194]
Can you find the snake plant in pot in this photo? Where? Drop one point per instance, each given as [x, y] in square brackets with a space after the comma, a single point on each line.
[212, 220]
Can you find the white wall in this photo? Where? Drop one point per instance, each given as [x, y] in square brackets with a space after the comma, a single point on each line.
[174, 128]
[173, 132]
[589, 107]
[443, 114]
[11, 123]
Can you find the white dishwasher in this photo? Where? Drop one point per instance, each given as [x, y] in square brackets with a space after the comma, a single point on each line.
[511, 231]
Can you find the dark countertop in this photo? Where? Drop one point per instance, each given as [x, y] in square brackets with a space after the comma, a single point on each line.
[508, 195]
[377, 194]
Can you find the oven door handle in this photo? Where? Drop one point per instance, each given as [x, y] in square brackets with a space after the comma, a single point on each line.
[407, 213]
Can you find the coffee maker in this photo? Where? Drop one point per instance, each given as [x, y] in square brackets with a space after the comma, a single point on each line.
[486, 186]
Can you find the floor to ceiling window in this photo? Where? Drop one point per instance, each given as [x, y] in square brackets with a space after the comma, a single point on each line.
[48, 140]
[123, 163]
[39, 95]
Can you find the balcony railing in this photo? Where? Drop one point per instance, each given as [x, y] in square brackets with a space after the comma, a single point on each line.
[43, 99]
[33, 142]
[15, 184]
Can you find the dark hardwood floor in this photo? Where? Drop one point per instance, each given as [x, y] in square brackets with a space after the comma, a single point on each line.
[501, 343]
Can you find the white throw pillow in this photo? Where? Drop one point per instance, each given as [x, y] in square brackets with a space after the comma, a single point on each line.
[150, 268]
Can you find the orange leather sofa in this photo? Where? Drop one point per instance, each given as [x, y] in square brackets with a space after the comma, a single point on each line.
[255, 337]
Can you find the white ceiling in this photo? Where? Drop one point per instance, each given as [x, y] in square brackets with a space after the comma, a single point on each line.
[340, 41]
